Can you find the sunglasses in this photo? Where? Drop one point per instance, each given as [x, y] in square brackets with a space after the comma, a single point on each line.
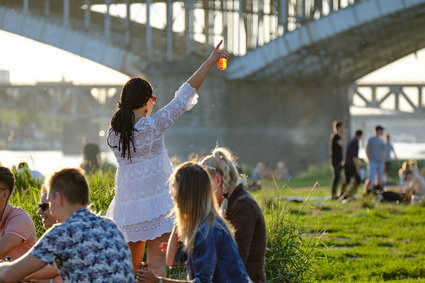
[43, 206]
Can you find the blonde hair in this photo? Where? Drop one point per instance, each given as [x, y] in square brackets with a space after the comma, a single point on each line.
[223, 161]
[194, 201]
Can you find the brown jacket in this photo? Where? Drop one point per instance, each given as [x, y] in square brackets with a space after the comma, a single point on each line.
[247, 218]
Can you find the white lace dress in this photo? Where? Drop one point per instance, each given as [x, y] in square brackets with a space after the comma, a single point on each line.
[142, 199]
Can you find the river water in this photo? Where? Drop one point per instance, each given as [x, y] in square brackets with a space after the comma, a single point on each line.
[48, 161]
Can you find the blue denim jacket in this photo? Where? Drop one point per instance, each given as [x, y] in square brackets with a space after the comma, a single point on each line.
[215, 257]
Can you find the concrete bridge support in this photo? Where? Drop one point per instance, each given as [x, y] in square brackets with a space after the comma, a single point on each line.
[259, 121]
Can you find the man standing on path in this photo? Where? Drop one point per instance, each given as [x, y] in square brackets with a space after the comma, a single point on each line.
[352, 166]
[336, 145]
[375, 151]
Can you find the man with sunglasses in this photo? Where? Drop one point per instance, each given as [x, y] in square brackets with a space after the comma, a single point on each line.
[17, 230]
[49, 272]
[43, 210]
[85, 247]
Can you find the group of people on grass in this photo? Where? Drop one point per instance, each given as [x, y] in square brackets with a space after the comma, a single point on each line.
[378, 152]
[200, 210]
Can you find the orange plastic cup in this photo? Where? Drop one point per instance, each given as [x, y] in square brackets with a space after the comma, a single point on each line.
[222, 64]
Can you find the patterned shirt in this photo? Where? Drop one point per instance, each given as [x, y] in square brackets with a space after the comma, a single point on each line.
[86, 248]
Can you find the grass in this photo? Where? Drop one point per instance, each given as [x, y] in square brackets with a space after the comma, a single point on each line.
[318, 240]
[359, 241]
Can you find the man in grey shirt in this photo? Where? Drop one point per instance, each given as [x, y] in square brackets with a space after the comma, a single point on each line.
[375, 151]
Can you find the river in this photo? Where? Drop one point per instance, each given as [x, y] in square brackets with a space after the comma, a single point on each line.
[49, 161]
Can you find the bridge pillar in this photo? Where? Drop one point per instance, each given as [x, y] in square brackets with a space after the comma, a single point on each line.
[149, 44]
[46, 8]
[169, 30]
[259, 121]
[65, 13]
[87, 14]
[107, 20]
[25, 6]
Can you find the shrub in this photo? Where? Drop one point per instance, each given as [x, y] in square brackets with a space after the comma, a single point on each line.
[290, 252]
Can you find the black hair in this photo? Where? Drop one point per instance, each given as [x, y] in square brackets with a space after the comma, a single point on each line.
[7, 178]
[135, 94]
[359, 133]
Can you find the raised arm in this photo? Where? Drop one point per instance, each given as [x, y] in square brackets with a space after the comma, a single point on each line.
[199, 76]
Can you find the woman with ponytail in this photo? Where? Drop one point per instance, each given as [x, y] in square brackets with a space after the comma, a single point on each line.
[240, 209]
[141, 204]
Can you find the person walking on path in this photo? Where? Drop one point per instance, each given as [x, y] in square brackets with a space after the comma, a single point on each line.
[142, 203]
[336, 145]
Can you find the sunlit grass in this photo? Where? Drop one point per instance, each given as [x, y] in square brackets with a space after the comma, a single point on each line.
[318, 240]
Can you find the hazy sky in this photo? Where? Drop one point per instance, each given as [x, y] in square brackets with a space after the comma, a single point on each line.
[30, 61]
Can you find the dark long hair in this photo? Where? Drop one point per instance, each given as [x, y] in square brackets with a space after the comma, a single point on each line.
[135, 94]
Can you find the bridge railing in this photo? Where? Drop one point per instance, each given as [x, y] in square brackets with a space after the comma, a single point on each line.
[394, 97]
[244, 24]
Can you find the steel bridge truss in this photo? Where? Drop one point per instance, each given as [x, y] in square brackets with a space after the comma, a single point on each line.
[99, 101]
[62, 100]
[394, 97]
[244, 24]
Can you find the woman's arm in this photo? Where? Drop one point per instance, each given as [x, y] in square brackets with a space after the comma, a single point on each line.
[186, 97]
[172, 246]
[145, 275]
[199, 76]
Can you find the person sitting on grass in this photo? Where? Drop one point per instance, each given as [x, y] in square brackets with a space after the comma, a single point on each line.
[212, 252]
[416, 185]
[240, 209]
[49, 272]
[85, 247]
[412, 190]
[17, 230]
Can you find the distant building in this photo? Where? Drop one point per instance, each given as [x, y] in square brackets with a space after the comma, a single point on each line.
[4, 77]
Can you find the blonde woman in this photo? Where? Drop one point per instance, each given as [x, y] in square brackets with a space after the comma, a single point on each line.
[212, 252]
[240, 209]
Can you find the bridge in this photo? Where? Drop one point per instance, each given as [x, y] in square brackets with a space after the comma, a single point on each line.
[292, 64]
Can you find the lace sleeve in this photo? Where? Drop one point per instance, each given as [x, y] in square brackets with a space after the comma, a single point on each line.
[184, 100]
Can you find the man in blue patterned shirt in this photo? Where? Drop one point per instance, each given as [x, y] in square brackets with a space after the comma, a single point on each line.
[84, 246]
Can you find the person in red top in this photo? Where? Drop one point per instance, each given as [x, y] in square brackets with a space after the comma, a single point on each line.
[17, 230]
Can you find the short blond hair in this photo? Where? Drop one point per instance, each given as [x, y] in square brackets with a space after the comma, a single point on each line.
[224, 162]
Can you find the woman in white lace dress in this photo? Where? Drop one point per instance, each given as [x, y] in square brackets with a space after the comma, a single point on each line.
[142, 202]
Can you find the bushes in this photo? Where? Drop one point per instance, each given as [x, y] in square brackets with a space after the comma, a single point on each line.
[290, 252]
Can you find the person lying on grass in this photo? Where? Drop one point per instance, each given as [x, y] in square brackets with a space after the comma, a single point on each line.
[85, 247]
